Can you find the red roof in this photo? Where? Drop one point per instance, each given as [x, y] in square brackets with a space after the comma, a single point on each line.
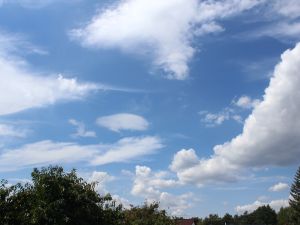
[185, 222]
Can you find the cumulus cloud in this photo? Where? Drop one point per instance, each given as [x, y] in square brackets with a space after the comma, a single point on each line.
[101, 179]
[270, 134]
[154, 27]
[279, 187]
[275, 204]
[81, 130]
[48, 152]
[123, 121]
[148, 185]
[246, 102]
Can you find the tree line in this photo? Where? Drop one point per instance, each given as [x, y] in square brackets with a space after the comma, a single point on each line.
[55, 197]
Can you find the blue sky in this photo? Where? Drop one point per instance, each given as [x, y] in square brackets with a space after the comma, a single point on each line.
[190, 103]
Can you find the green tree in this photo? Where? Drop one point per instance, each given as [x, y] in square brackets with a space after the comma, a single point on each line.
[295, 200]
[228, 219]
[212, 219]
[56, 198]
[147, 215]
[284, 216]
[264, 215]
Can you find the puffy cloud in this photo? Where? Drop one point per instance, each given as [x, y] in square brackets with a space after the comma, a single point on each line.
[147, 184]
[101, 179]
[246, 102]
[127, 149]
[123, 121]
[49, 152]
[154, 27]
[275, 204]
[279, 187]
[80, 129]
[270, 134]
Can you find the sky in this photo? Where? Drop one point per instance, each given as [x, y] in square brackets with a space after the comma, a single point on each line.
[194, 104]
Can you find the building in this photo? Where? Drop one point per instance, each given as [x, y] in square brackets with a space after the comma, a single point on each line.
[185, 222]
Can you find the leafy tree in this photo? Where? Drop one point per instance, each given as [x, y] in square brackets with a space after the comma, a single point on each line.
[295, 200]
[56, 198]
[228, 219]
[147, 215]
[212, 219]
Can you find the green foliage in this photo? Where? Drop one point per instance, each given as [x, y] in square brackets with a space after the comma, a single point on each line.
[56, 198]
[295, 200]
[147, 215]
[264, 215]
[59, 198]
[284, 216]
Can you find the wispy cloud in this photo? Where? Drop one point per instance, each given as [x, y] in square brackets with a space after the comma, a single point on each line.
[81, 130]
[48, 152]
[8, 130]
[127, 149]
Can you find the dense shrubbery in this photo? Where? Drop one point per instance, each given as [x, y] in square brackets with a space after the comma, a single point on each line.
[58, 198]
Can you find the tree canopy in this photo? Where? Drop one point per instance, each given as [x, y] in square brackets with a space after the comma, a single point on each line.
[295, 198]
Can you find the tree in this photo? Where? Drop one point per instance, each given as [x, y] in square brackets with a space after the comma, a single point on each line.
[228, 219]
[264, 215]
[284, 216]
[295, 200]
[56, 198]
[212, 219]
[147, 215]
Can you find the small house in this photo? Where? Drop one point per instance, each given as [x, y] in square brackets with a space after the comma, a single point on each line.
[185, 222]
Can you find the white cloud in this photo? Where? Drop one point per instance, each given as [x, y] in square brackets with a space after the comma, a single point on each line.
[154, 27]
[49, 152]
[127, 149]
[21, 88]
[246, 102]
[101, 179]
[147, 184]
[287, 8]
[123, 121]
[81, 130]
[275, 204]
[11, 131]
[270, 134]
[217, 119]
[44, 153]
[279, 187]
